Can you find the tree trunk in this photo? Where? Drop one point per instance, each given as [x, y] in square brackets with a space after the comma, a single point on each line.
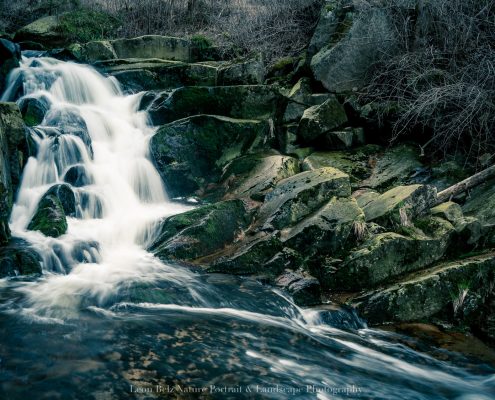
[466, 184]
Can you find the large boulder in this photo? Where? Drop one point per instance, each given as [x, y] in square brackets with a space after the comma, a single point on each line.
[18, 258]
[254, 175]
[385, 256]
[201, 231]
[360, 39]
[444, 292]
[190, 153]
[144, 47]
[13, 155]
[244, 102]
[153, 46]
[49, 218]
[400, 205]
[10, 55]
[45, 30]
[319, 120]
[297, 197]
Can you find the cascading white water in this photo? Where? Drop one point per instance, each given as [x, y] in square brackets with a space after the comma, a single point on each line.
[92, 128]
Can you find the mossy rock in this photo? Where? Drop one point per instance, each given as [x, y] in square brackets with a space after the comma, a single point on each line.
[319, 120]
[386, 256]
[190, 153]
[201, 231]
[296, 197]
[157, 74]
[331, 230]
[34, 109]
[450, 211]
[400, 205]
[243, 102]
[396, 166]
[49, 218]
[430, 295]
[243, 72]
[255, 175]
[66, 196]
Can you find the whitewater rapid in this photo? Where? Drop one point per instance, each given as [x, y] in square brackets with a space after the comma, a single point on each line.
[93, 128]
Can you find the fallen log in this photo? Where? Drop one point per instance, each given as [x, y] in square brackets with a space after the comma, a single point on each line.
[466, 184]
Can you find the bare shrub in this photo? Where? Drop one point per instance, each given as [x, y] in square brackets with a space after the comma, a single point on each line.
[442, 79]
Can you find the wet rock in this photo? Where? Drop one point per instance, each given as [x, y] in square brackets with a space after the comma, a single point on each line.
[388, 255]
[34, 109]
[357, 42]
[10, 55]
[296, 197]
[244, 102]
[249, 72]
[305, 289]
[66, 197]
[254, 256]
[191, 152]
[78, 176]
[439, 292]
[49, 218]
[18, 258]
[319, 120]
[400, 205]
[254, 175]
[331, 230]
[13, 155]
[201, 231]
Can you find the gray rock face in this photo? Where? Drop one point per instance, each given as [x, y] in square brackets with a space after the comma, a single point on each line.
[191, 152]
[249, 72]
[44, 30]
[342, 65]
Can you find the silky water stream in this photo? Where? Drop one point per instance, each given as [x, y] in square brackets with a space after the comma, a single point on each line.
[107, 320]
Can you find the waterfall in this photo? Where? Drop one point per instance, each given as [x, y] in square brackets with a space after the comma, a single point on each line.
[93, 131]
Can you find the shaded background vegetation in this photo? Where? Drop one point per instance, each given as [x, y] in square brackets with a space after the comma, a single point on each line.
[274, 28]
